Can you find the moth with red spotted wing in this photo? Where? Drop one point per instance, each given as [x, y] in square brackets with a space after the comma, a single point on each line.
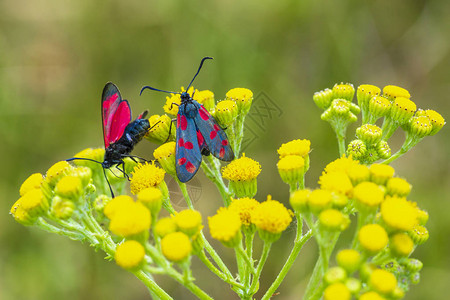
[197, 133]
[120, 134]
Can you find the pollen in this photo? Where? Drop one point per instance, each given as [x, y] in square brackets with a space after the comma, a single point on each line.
[244, 207]
[271, 216]
[368, 194]
[176, 246]
[146, 175]
[373, 238]
[174, 100]
[225, 227]
[382, 281]
[380, 173]
[392, 92]
[295, 147]
[34, 181]
[189, 221]
[398, 213]
[241, 169]
[129, 254]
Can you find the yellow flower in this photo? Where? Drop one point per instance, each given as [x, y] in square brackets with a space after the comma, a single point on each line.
[96, 154]
[116, 205]
[34, 203]
[129, 255]
[337, 291]
[349, 259]
[242, 173]
[165, 155]
[271, 218]
[127, 218]
[55, 172]
[333, 220]
[299, 200]
[383, 281]
[295, 147]
[176, 246]
[244, 207]
[398, 213]
[366, 92]
[34, 181]
[319, 200]
[336, 182]
[373, 238]
[380, 173]
[398, 187]
[392, 92]
[368, 195]
[206, 98]
[344, 91]
[226, 112]
[225, 226]
[20, 214]
[379, 106]
[243, 98]
[84, 174]
[335, 275]
[291, 168]
[401, 244]
[358, 173]
[420, 126]
[436, 119]
[152, 198]
[161, 129]
[171, 106]
[402, 109]
[189, 222]
[343, 164]
[419, 234]
[69, 187]
[371, 296]
[164, 226]
[144, 176]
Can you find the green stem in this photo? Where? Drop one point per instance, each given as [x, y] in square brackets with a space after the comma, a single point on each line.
[152, 285]
[185, 193]
[341, 144]
[298, 245]
[214, 174]
[243, 254]
[249, 235]
[255, 283]
[42, 224]
[215, 256]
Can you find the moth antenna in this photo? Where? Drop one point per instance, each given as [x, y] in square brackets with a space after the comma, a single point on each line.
[82, 158]
[109, 185]
[198, 71]
[154, 89]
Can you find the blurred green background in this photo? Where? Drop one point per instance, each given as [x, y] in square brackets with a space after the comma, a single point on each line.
[55, 57]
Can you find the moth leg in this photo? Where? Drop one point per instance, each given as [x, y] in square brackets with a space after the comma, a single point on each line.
[123, 170]
[170, 129]
[173, 103]
[133, 158]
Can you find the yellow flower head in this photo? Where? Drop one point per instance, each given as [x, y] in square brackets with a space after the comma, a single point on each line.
[165, 155]
[337, 291]
[34, 181]
[401, 244]
[379, 106]
[146, 175]
[206, 98]
[129, 254]
[358, 173]
[436, 119]
[225, 226]
[55, 172]
[69, 187]
[243, 98]
[169, 107]
[295, 147]
[336, 182]
[291, 168]
[164, 226]
[392, 92]
[398, 213]
[299, 200]
[344, 91]
[271, 217]
[349, 259]
[333, 220]
[226, 112]
[244, 207]
[420, 126]
[34, 203]
[176, 246]
[319, 200]
[161, 129]
[373, 238]
[242, 169]
[343, 164]
[382, 281]
[20, 214]
[96, 154]
[398, 187]
[116, 205]
[366, 92]
[189, 222]
[380, 173]
[402, 109]
[152, 198]
[368, 195]
[83, 173]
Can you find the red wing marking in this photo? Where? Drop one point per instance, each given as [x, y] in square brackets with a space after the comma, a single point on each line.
[188, 145]
[190, 167]
[183, 122]
[180, 142]
[203, 113]
[200, 138]
[182, 161]
[213, 134]
[221, 152]
[216, 127]
[224, 142]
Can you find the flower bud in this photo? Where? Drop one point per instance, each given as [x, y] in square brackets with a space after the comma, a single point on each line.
[291, 169]
[57, 171]
[34, 181]
[225, 226]
[380, 173]
[62, 208]
[349, 259]
[151, 197]
[398, 187]
[401, 245]
[402, 109]
[436, 119]
[69, 187]
[392, 92]
[333, 220]
[413, 265]
[373, 238]
[164, 226]
[382, 281]
[130, 255]
[100, 202]
[226, 113]
[420, 126]
[165, 155]
[369, 134]
[319, 200]
[84, 174]
[366, 92]
[205, 98]
[335, 274]
[299, 200]
[242, 175]
[189, 222]
[96, 154]
[357, 149]
[419, 234]
[379, 106]
[161, 129]
[344, 91]
[323, 98]
[353, 285]
[336, 290]
[243, 98]
[383, 150]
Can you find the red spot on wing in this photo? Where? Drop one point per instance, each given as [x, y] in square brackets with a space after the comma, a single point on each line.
[183, 122]
[224, 142]
[203, 113]
[216, 128]
[222, 152]
[180, 142]
[200, 138]
[190, 167]
[182, 161]
[188, 145]
[213, 134]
